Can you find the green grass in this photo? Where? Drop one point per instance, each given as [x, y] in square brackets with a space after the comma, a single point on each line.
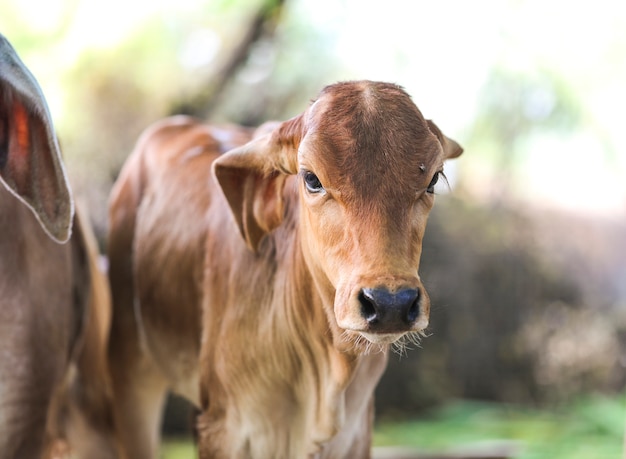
[178, 449]
[589, 428]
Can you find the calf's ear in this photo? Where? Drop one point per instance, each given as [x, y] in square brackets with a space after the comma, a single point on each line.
[30, 160]
[252, 178]
[451, 149]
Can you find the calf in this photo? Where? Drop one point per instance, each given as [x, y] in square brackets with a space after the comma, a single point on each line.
[54, 302]
[260, 275]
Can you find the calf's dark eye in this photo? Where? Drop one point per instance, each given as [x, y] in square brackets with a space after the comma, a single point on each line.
[433, 182]
[312, 183]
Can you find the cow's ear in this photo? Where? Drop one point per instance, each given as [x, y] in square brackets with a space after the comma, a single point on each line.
[30, 161]
[252, 178]
[451, 149]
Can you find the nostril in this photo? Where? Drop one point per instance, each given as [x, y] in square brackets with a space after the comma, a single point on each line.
[368, 306]
[414, 310]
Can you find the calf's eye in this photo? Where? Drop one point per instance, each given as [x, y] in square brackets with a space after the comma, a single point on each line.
[433, 182]
[312, 183]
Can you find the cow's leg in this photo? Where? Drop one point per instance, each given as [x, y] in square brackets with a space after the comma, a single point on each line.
[139, 387]
[140, 393]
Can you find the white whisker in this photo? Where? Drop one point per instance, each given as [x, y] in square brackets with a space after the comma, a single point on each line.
[360, 343]
[408, 342]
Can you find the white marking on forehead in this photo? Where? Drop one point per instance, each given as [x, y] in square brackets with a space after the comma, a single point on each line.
[368, 94]
[193, 152]
[314, 103]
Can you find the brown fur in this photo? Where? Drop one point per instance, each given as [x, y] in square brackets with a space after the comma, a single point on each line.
[54, 302]
[240, 290]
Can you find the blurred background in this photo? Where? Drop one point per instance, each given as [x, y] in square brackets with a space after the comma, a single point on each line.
[525, 252]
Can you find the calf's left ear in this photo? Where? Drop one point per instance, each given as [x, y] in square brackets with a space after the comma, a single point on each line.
[451, 149]
[252, 178]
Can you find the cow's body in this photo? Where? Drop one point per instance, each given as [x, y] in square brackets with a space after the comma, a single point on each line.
[54, 302]
[54, 319]
[258, 331]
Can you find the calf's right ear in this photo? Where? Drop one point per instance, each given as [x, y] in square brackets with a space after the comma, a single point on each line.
[30, 160]
[252, 178]
[451, 149]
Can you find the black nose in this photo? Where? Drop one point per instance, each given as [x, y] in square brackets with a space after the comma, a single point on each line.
[387, 311]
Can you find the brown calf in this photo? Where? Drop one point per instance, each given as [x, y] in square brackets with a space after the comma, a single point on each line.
[54, 302]
[257, 282]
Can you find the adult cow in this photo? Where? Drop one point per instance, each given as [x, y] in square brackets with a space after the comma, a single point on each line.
[54, 302]
[256, 282]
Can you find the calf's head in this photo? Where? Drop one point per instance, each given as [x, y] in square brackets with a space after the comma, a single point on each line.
[367, 163]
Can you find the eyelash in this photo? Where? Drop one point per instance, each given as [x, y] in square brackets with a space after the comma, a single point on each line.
[431, 186]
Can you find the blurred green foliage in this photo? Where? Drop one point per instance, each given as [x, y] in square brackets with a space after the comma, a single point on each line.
[535, 109]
